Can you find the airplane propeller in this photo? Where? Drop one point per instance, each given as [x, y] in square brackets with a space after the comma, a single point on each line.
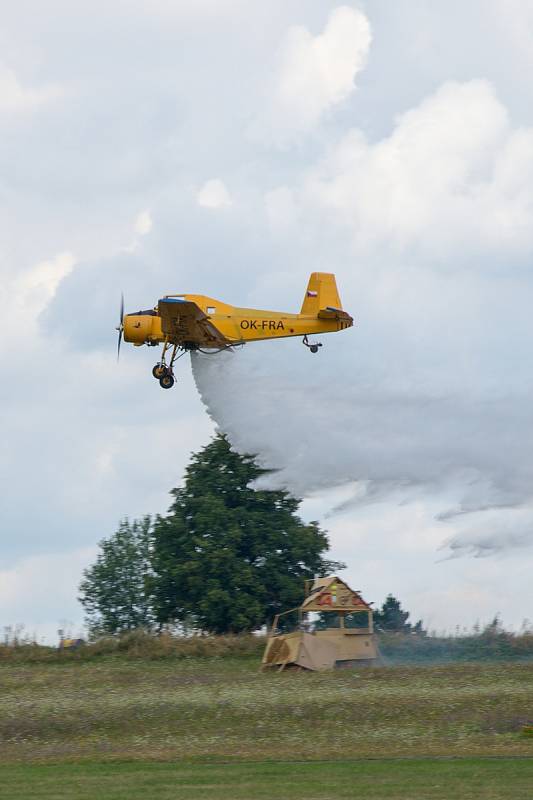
[120, 326]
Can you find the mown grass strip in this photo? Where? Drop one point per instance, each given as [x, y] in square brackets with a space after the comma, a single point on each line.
[427, 779]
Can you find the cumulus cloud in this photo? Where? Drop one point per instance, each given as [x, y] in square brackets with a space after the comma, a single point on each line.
[453, 174]
[315, 73]
[34, 288]
[16, 98]
[213, 194]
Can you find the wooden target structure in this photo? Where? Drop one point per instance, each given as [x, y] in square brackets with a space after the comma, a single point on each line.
[333, 628]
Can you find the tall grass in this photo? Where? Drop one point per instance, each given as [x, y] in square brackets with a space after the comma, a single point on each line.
[226, 708]
[491, 644]
[138, 644]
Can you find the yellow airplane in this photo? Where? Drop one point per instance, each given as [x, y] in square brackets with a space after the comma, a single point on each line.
[182, 322]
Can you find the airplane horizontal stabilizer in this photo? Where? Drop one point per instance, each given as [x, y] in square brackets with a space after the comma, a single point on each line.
[334, 313]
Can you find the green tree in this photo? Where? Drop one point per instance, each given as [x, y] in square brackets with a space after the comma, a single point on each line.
[391, 617]
[227, 556]
[115, 589]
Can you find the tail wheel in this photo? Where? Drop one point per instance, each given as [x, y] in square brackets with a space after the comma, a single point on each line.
[167, 381]
[159, 370]
[313, 346]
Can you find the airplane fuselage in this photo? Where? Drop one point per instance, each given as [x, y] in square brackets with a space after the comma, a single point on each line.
[239, 325]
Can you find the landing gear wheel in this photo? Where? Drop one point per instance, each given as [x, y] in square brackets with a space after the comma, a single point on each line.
[159, 370]
[313, 346]
[167, 381]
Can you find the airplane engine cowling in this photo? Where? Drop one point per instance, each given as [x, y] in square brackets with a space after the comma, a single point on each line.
[139, 328]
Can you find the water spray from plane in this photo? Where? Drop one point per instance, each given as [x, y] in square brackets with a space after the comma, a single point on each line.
[332, 423]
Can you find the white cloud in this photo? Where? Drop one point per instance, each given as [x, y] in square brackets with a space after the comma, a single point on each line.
[35, 288]
[15, 98]
[318, 72]
[315, 74]
[452, 174]
[213, 194]
[143, 223]
[142, 227]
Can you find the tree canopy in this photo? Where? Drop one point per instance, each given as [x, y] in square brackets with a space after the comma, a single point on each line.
[391, 617]
[227, 556]
[115, 590]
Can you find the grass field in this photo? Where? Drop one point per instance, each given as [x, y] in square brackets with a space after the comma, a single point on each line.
[108, 728]
[467, 779]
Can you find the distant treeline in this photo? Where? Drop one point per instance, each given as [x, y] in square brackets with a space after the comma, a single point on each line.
[491, 644]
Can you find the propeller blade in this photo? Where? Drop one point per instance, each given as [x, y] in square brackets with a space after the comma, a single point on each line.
[120, 326]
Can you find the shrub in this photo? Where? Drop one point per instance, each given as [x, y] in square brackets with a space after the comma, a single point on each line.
[141, 644]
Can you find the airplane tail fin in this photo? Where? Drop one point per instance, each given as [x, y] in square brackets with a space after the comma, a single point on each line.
[321, 294]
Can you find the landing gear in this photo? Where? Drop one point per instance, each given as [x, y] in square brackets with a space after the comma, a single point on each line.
[164, 375]
[163, 372]
[313, 347]
[167, 381]
[159, 370]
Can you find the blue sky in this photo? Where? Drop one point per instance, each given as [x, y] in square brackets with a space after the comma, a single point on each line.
[231, 148]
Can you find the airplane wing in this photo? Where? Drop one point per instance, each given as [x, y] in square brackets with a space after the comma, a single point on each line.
[184, 322]
[334, 313]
